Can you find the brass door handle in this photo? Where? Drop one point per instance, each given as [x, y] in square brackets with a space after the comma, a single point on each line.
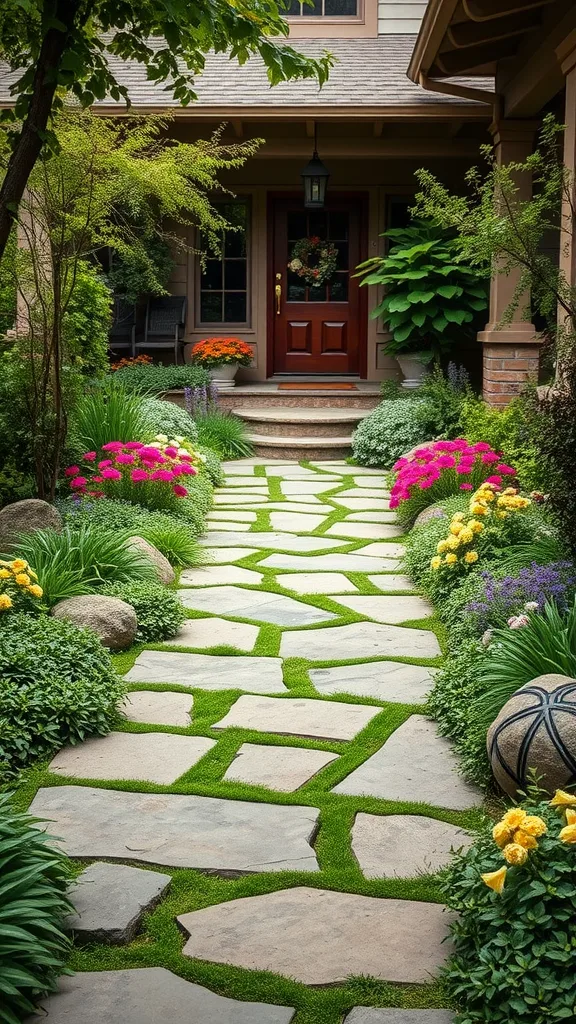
[278, 293]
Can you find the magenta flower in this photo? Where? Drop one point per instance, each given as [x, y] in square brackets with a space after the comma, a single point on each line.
[124, 459]
[163, 474]
[445, 461]
[97, 479]
[506, 470]
[72, 471]
[481, 446]
[465, 487]
[78, 482]
[89, 456]
[497, 480]
[150, 453]
[112, 446]
[138, 475]
[186, 458]
[111, 474]
[188, 470]
[179, 491]
[171, 452]
[489, 457]
[133, 445]
[104, 463]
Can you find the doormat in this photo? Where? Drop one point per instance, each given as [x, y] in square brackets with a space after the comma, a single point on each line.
[332, 386]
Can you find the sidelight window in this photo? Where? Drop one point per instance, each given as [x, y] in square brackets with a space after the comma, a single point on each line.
[223, 282]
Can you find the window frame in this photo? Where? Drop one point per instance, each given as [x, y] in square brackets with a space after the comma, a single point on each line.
[364, 24]
[328, 19]
[225, 325]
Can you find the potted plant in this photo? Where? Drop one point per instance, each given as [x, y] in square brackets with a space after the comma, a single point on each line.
[431, 298]
[221, 357]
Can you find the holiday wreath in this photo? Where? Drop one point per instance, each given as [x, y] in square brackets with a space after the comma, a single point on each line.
[313, 259]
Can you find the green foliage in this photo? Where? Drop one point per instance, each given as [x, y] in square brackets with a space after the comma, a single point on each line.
[14, 485]
[421, 547]
[144, 269]
[167, 418]
[34, 875]
[153, 379]
[432, 297]
[555, 428]
[513, 958]
[58, 687]
[8, 287]
[87, 321]
[212, 464]
[196, 506]
[510, 430]
[172, 536]
[159, 611]
[443, 397]
[392, 429]
[104, 414]
[225, 434]
[81, 561]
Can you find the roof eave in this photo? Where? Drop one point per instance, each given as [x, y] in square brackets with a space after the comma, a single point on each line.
[435, 22]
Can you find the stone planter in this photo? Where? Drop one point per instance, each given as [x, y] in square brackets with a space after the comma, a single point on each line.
[223, 375]
[413, 370]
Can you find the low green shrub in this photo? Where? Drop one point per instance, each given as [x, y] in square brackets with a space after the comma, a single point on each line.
[457, 685]
[80, 561]
[509, 430]
[225, 434]
[391, 430]
[58, 687]
[168, 418]
[14, 485]
[87, 320]
[515, 930]
[159, 611]
[443, 397]
[421, 547]
[212, 465]
[153, 379]
[174, 537]
[34, 946]
[195, 507]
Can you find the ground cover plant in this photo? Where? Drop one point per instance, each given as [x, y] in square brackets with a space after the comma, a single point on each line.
[392, 429]
[159, 611]
[154, 379]
[166, 418]
[174, 537]
[107, 413]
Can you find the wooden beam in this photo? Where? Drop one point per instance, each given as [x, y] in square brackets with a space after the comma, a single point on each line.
[475, 58]
[377, 128]
[238, 128]
[493, 10]
[472, 34]
[310, 129]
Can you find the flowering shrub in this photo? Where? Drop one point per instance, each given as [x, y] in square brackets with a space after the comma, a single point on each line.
[390, 429]
[183, 447]
[440, 469]
[142, 360]
[219, 351]
[145, 474]
[502, 600]
[489, 508]
[19, 590]
[515, 934]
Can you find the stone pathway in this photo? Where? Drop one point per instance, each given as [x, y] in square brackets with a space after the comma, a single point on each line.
[282, 730]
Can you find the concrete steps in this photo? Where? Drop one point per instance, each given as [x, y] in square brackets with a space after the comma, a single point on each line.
[280, 432]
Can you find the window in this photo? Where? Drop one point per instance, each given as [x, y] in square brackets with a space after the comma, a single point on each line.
[224, 280]
[324, 9]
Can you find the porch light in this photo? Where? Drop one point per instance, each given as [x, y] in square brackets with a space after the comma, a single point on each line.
[315, 178]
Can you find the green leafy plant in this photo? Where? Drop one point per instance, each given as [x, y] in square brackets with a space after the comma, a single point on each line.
[212, 464]
[511, 431]
[432, 298]
[392, 429]
[14, 485]
[81, 561]
[87, 321]
[153, 379]
[443, 396]
[173, 537]
[159, 611]
[167, 418]
[107, 413]
[34, 875]
[225, 433]
[58, 687]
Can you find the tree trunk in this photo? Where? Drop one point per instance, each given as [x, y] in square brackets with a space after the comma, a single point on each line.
[31, 139]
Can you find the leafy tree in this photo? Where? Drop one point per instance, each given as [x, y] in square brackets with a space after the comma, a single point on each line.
[60, 46]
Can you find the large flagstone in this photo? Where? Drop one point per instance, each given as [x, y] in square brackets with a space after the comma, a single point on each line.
[206, 833]
[364, 531]
[231, 554]
[260, 605]
[391, 581]
[295, 488]
[371, 517]
[361, 504]
[238, 498]
[306, 508]
[293, 522]
[258, 482]
[281, 768]
[384, 680]
[320, 937]
[158, 707]
[275, 541]
[146, 996]
[229, 513]
[110, 901]
[404, 845]
[159, 757]
[359, 640]
[415, 764]
[228, 524]
[238, 468]
[299, 716]
[351, 562]
[366, 492]
[345, 469]
[215, 632]
[395, 1015]
[217, 575]
[399, 608]
[208, 671]
[316, 582]
[379, 549]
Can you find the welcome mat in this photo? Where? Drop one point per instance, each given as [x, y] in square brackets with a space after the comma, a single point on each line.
[331, 386]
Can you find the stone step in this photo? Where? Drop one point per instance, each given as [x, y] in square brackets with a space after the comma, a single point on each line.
[327, 421]
[299, 448]
[367, 397]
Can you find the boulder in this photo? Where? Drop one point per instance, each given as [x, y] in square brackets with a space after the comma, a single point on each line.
[113, 620]
[536, 731]
[432, 512]
[165, 571]
[26, 517]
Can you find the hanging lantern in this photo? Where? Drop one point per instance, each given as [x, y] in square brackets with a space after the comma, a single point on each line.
[315, 178]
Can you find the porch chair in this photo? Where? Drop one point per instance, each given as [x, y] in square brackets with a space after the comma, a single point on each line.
[122, 334]
[165, 317]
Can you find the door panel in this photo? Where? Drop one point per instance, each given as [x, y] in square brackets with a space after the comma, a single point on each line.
[319, 328]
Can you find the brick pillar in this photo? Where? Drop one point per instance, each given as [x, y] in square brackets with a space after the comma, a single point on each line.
[510, 353]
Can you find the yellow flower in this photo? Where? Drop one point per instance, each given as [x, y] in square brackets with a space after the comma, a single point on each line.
[478, 510]
[475, 526]
[502, 515]
[570, 816]
[568, 834]
[488, 496]
[466, 535]
[22, 579]
[457, 517]
[4, 574]
[435, 562]
[470, 557]
[5, 602]
[534, 826]
[501, 835]
[35, 590]
[456, 528]
[495, 879]
[18, 564]
[452, 543]
[441, 547]
[514, 818]
[515, 854]
[451, 558]
[563, 799]
[523, 839]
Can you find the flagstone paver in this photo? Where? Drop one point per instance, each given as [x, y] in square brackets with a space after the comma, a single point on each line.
[321, 937]
[404, 845]
[219, 574]
[215, 632]
[308, 508]
[110, 901]
[276, 541]
[344, 469]
[353, 562]
[364, 531]
[366, 492]
[230, 524]
[240, 498]
[200, 832]
[281, 768]
[149, 756]
[385, 680]
[388, 609]
[364, 504]
[394, 1015]
[296, 488]
[360, 640]
[375, 481]
[239, 515]
[371, 517]
[415, 764]
[159, 707]
[254, 604]
[252, 482]
[220, 555]
[299, 716]
[316, 582]
[238, 468]
[295, 522]
[383, 549]
[391, 581]
[146, 996]
[208, 671]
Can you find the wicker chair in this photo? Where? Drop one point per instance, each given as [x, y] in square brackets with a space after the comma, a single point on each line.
[123, 330]
[165, 319]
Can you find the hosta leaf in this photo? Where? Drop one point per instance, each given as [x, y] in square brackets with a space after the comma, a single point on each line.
[421, 296]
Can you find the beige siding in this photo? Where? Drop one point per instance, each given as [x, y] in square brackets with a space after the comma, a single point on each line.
[400, 18]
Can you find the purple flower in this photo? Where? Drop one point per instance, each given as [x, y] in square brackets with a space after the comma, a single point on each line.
[502, 599]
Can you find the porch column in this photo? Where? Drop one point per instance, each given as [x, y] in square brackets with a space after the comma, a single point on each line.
[510, 354]
[566, 54]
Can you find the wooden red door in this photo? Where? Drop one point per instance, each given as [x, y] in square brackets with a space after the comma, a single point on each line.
[321, 328]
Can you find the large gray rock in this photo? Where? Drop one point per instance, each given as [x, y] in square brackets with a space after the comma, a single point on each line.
[394, 1015]
[159, 757]
[404, 845]
[26, 517]
[146, 996]
[428, 514]
[110, 901]
[536, 730]
[113, 620]
[165, 571]
[298, 716]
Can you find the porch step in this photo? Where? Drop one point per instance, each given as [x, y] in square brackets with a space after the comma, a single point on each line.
[323, 421]
[275, 447]
[257, 396]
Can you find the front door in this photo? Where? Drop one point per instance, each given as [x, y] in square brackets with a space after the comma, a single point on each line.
[318, 328]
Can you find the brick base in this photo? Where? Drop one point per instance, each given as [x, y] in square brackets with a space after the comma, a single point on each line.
[506, 369]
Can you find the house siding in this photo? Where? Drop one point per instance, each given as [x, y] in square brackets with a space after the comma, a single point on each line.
[400, 19]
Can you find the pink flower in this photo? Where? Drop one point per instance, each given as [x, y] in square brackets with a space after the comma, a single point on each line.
[179, 491]
[400, 464]
[111, 474]
[188, 470]
[104, 463]
[133, 445]
[97, 479]
[506, 470]
[171, 452]
[445, 461]
[494, 480]
[426, 484]
[489, 457]
[465, 487]
[186, 458]
[89, 456]
[112, 446]
[124, 459]
[72, 471]
[177, 469]
[445, 446]
[152, 454]
[137, 475]
[464, 467]
[78, 482]
[162, 474]
[481, 446]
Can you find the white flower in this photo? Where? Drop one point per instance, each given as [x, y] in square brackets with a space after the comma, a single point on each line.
[161, 437]
[178, 438]
[531, 606]
[486, 637]
[183, 451]
[518, 621]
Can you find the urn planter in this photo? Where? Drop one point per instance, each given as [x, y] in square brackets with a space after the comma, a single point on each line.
[223, 375]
